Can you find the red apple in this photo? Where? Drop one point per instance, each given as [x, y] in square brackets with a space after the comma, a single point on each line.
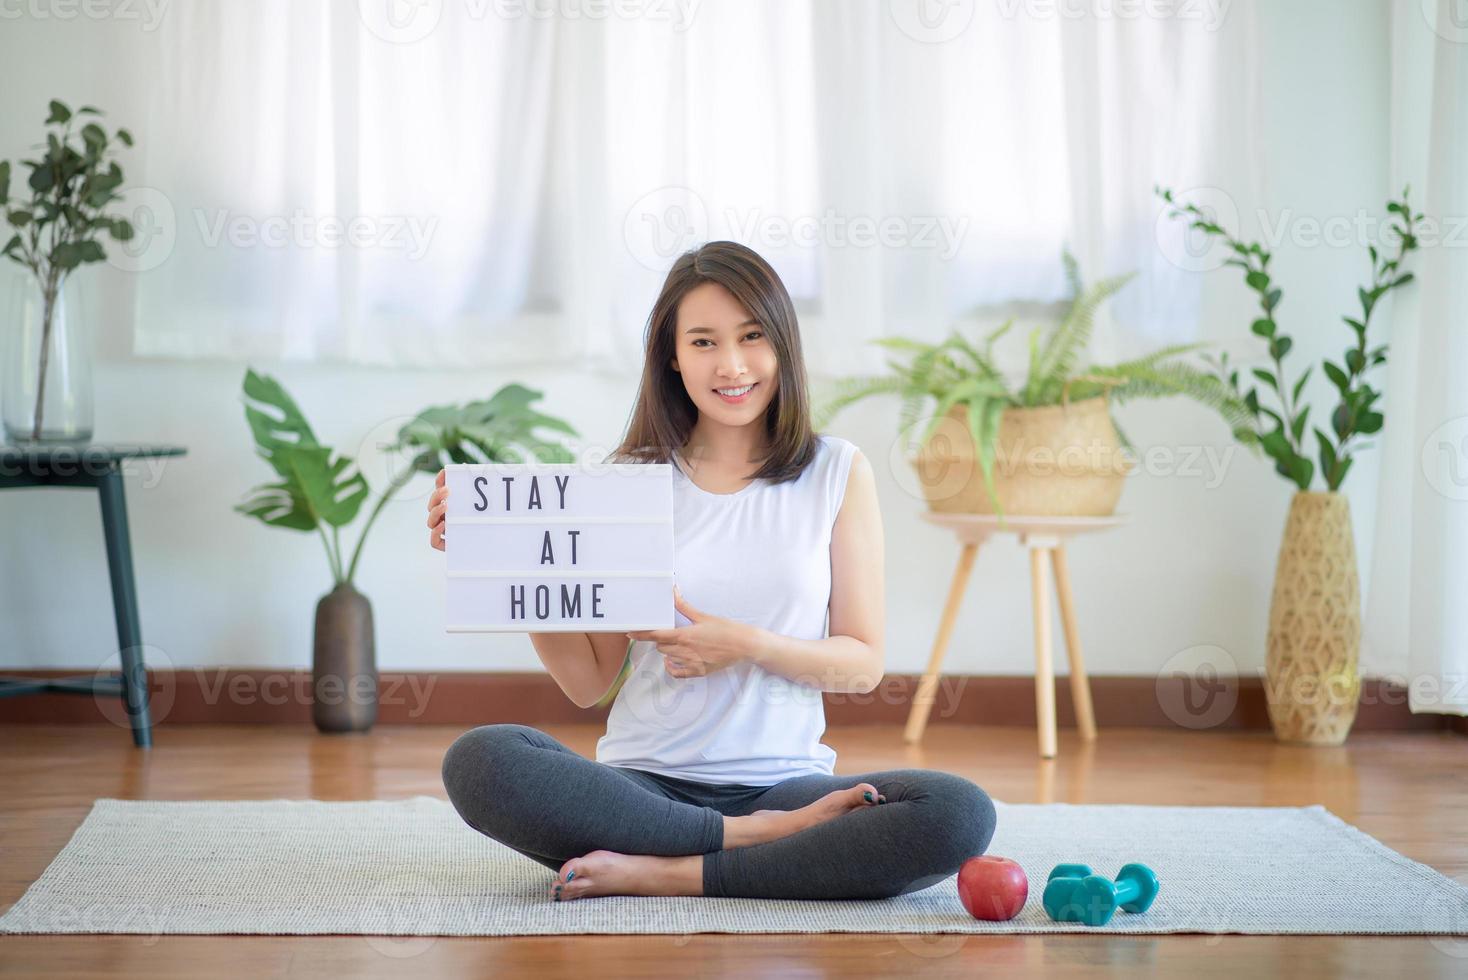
[992, 887]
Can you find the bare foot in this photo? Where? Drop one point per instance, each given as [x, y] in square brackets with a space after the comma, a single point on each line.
[610, 873]
[767, 825]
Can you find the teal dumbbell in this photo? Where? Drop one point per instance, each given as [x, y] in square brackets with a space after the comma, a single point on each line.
[1074, 894]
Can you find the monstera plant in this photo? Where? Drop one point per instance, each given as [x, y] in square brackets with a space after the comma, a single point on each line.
[320, 490]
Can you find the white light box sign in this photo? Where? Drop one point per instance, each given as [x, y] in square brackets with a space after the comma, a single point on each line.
[558, 547]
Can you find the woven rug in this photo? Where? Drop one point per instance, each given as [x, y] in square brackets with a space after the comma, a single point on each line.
[412, 868]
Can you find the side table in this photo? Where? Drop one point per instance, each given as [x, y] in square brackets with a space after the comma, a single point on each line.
[93, 466]
[1045, 538]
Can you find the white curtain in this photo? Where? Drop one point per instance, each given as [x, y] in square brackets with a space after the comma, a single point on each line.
[1416, 622]
[456, 183]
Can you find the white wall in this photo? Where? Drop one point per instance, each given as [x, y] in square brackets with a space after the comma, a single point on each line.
[1193, 569]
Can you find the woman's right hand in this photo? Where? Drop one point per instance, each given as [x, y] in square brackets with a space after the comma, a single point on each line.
[438, 502]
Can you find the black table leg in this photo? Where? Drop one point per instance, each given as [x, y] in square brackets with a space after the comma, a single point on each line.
[125, 606]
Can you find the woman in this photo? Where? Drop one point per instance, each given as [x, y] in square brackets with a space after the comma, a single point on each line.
[711, 778]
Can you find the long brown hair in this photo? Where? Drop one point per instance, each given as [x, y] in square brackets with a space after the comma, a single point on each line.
[664, 415]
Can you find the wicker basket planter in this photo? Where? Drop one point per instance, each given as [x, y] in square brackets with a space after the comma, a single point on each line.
[1052, 460]
[1311, 677]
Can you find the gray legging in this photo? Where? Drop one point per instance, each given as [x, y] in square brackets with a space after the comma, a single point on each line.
[526, 790]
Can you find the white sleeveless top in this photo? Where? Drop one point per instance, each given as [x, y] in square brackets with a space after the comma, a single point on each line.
[761, 555]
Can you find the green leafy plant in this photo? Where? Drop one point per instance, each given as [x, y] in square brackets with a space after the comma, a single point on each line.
[958, 371]
[60, 225]
[319, 489]
[1281, 432]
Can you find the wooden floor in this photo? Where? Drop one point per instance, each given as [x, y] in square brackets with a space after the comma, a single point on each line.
[1409, 790]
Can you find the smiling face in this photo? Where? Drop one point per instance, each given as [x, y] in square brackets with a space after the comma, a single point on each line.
[720, 348]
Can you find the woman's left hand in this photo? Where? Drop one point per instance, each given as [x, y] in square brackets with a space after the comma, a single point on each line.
[708, 643]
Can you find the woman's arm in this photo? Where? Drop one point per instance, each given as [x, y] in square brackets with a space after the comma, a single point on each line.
[851, 659]
[583, 664]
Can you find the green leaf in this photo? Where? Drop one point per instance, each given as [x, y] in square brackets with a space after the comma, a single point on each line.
[41, 179]
[280, 505]
[90, 251]
[1355, 360]
[67, 256]
[1299, 386]
[1276, 445]
[20, 218]
[1271, 299]
[490, 428]
[94, 135]
[1279, 347]
[1266, 376]
[1257, 280]
[1264, 328]
[59, 113]
[1298, 428]
[1336, 376]
[286, 427]
[124, 137]
[1302, 471]
[1370, 422]
[331, 493]
[1327, 455]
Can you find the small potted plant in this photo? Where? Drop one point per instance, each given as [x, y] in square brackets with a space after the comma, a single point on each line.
[1312, 684]
[1046, 447]
[321, 491]
[58, 228]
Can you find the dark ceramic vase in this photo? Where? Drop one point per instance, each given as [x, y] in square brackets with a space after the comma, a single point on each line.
[344, 668]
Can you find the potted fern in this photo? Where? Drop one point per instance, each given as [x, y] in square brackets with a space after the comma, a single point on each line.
[1312, 684]
[321, 492]
[1048, 447]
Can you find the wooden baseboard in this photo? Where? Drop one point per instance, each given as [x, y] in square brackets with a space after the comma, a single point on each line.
[225, 695]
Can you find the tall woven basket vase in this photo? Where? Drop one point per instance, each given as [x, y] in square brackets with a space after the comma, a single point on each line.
[1311, 678]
